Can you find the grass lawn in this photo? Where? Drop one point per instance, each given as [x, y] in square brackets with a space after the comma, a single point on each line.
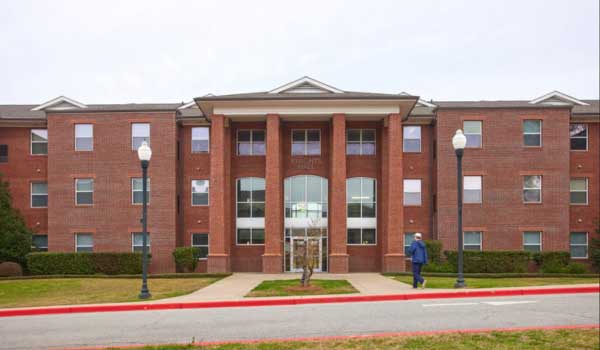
[448, 282]
[64, 291]
[528, 340]
[282, 288]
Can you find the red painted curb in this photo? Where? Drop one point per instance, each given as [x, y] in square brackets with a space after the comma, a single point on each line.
[344, 337]
[294, 301]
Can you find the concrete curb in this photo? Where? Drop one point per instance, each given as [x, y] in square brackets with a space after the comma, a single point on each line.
[293, 301]
[346, 337]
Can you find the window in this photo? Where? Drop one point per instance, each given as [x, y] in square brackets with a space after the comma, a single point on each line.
[412, 192]
[251, 197]
[39, 194]
[137, 241]
[472, 240]
[84, 191]
[84, 242]
[306, 142]
[140, 132]
[251, 143]
[532, 133]
[250, 236]
[84, 137]
[472, 130]
[362, 236]
[137, 190]
[409, 237]
[200, 241]
[532, 189]
[412, 139]
[39, 141]
[200, 139]
[579, 191]
[472, 189]
[532, 241]
[360, 141]
[579, 137]
[578, 243]
[39, 243]
[305, 197]
[3, 153]
[199, 192]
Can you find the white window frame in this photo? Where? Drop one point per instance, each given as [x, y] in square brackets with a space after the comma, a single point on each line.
[480, 241]
[473, 189]
[78, 191]
[586, 190]
[31, 194]
[207, 193]
[251, 131]
[142, 190]
[540, 234]
[142, 245]
[44, 247]
[480, 132]
[192, 139]
[31, 142]
[77, 246]
[586, 137]
[133, 136]
[305, 154]
[237, 241]
[532, 188]
[586, 245]
[252, 201]
[420, 193]
[420, 138]
[207, 245]
[533, 133]
[76, 137]
[362, 223]
[361, 143]
[362, 241]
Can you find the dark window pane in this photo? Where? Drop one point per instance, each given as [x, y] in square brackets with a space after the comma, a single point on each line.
[244, 136]
[368, 210]
[243, 236]
[39, 148]
[578, 251]
[353, 236]
[84, 143]
[578, 197]
[578, 238]
[473, 247]
[353, 210]
[39, 200]
[298, 136]
[368, 236]
[258, 136]
[202, 252]
[258, 236]
[40, 242]
[412, 145]
[313, 136]
[532, 248]
[533, 196]
[200, 198]
[579, 144]
[368, 135]
[3, 153]
[532, 140]
[137, 197]
[200, 239]
[85, 198]
[243, 210]
[258, 210]
[84, 249]
[353, 135]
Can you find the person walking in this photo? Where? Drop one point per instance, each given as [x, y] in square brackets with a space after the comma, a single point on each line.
[418, 252]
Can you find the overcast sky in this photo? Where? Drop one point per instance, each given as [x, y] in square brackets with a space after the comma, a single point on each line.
[170, 51]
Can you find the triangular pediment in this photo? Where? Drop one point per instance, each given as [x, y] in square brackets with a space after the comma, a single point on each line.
[420, 103]
[557, 98]
[60, 103]
[306, 85]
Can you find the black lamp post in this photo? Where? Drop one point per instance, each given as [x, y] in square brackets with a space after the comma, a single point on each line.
[144, 154]
[459, 141]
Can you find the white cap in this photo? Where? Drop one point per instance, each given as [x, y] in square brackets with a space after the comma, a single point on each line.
[417, 235]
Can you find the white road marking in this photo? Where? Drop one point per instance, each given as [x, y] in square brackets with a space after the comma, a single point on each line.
[501, 303]
[449, 304]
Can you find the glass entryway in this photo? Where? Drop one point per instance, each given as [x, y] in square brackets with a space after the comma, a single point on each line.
[308, 243]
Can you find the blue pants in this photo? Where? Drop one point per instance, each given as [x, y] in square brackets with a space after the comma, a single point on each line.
[416, 270]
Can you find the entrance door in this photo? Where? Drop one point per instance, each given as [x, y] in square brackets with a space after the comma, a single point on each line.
[298, 251]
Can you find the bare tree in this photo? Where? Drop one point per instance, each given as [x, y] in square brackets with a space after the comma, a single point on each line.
[309, 251]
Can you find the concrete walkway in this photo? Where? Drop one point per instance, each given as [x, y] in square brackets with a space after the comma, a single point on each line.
[236, 286]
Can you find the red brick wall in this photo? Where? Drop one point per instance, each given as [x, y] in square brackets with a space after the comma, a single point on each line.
[503, 161]
[23, 168]
[587, 164]
[112, 164]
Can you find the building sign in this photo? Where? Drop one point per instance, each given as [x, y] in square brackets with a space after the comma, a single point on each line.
[303, 163]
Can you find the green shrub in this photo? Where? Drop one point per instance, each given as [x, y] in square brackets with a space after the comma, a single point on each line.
[552, 259]
[595, 248]
[186, 258]
[576, 268]
[84, 263]
[438, 267]
[490, 262]
[434, 251]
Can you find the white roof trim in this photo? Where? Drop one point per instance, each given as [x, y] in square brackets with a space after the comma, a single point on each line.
[58, 100]
[559, 95]
[306, 80]
[187, 105]
[419, 102]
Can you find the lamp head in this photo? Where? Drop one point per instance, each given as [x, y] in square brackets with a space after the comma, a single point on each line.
[144, 152]
[459, 141]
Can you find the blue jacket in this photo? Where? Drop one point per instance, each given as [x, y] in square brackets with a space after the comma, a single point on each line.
[418, 252]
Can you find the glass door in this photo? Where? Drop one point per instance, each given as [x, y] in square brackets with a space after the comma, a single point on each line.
[302, 247]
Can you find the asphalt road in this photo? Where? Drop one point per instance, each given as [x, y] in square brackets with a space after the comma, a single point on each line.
[179, 326]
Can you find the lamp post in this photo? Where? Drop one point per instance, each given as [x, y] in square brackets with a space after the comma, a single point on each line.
[459, 142]
[144, 154]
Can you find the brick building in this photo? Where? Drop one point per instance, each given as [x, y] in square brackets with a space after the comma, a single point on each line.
[246, 177]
